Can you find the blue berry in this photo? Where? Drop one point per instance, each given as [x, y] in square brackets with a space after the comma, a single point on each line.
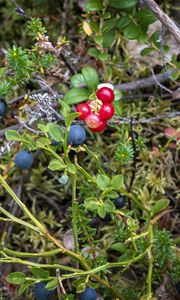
[107, 218]
[88, 294]
[3, 108]
[23, 159]
[41, 293]
[76, 136]
[120, 201]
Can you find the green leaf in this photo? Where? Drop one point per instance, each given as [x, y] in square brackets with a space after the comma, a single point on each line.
[12, 135]
[118, 94]
[38, 272]
[91, 203]
[131, 31]
[109, 205]
[112, 194]
[103, 56]
[76, 95]
[56, 165]
[108, 38]
[77, 81]
[147, 51]
[94, 26]
[119, 247]
[43, 128]
[91, 78]
[117, 182]
[16, 277]
[71, 168]
[81, 287]
[118, 108]
[23, 287]
[29, 142]
[42, 142]
[52, 284]
[101, 211]
[70, 118]
[55, 132]
[98, 39]
[122, 4]
[94, 5]
[93, 52]
[159, 206]
[102, 181]
[145, 17]
[123, 22]
[109, 24]
[65, 108]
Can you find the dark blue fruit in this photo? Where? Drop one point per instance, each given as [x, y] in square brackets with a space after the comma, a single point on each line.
[107, 218]
[76, 136]
[178, 287]
[41, 293]
[120, 201]
[88, 294]
[3, 108]
[23, 159]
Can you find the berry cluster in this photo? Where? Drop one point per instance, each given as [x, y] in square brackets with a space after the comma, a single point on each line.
[96, 112]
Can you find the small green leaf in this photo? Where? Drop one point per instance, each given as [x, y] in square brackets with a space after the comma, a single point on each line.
[109, 206]
[122, 4]
[42, 142]
[76, 95]
[118, 108]
[94, 5]
[159, 206]
[77, 81]
[112, 194]
[29, 142]
[118, 94]
[91, 203]
[52, 284]
[102, 181]
[98, 39]
[103, 56]
[117, 182]
[43, 128]
[56, 165]
[109, 24]
[55, 132]
[102, 211]
[119, 247]
[147, 51]
[108, 38]
[38, 272]
[71, 168]
[131, 31]
[23, 287]
[16, 277]
[123, 22]
[93, 52]
[70, 118]
[12, 135]
[81, 287]
[65, 108]
[91, 78]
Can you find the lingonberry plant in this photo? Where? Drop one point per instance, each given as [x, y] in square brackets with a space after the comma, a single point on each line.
[74, 146]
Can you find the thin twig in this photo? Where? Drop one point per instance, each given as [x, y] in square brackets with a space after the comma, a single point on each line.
[145, 82]
[164, 19]
[158, 83]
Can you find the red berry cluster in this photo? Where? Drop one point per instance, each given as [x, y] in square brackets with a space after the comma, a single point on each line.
[96, 112]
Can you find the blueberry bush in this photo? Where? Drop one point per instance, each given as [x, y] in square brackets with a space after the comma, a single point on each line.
[89, 141]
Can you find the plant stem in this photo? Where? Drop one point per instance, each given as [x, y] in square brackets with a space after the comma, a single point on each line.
[28, 254]
[74, 213]
[95, 157]
[149, 278]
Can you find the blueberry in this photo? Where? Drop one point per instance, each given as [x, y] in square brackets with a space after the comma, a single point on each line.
[3, 108]
[107, 218]
[120, 201]
[41, 293]
[88, 294]
[23, 159]
[76, 136]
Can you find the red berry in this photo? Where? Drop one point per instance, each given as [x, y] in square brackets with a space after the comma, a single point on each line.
[93, 120]
[106, 111]
[84, 110]
[105, 94]
[100, 128]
